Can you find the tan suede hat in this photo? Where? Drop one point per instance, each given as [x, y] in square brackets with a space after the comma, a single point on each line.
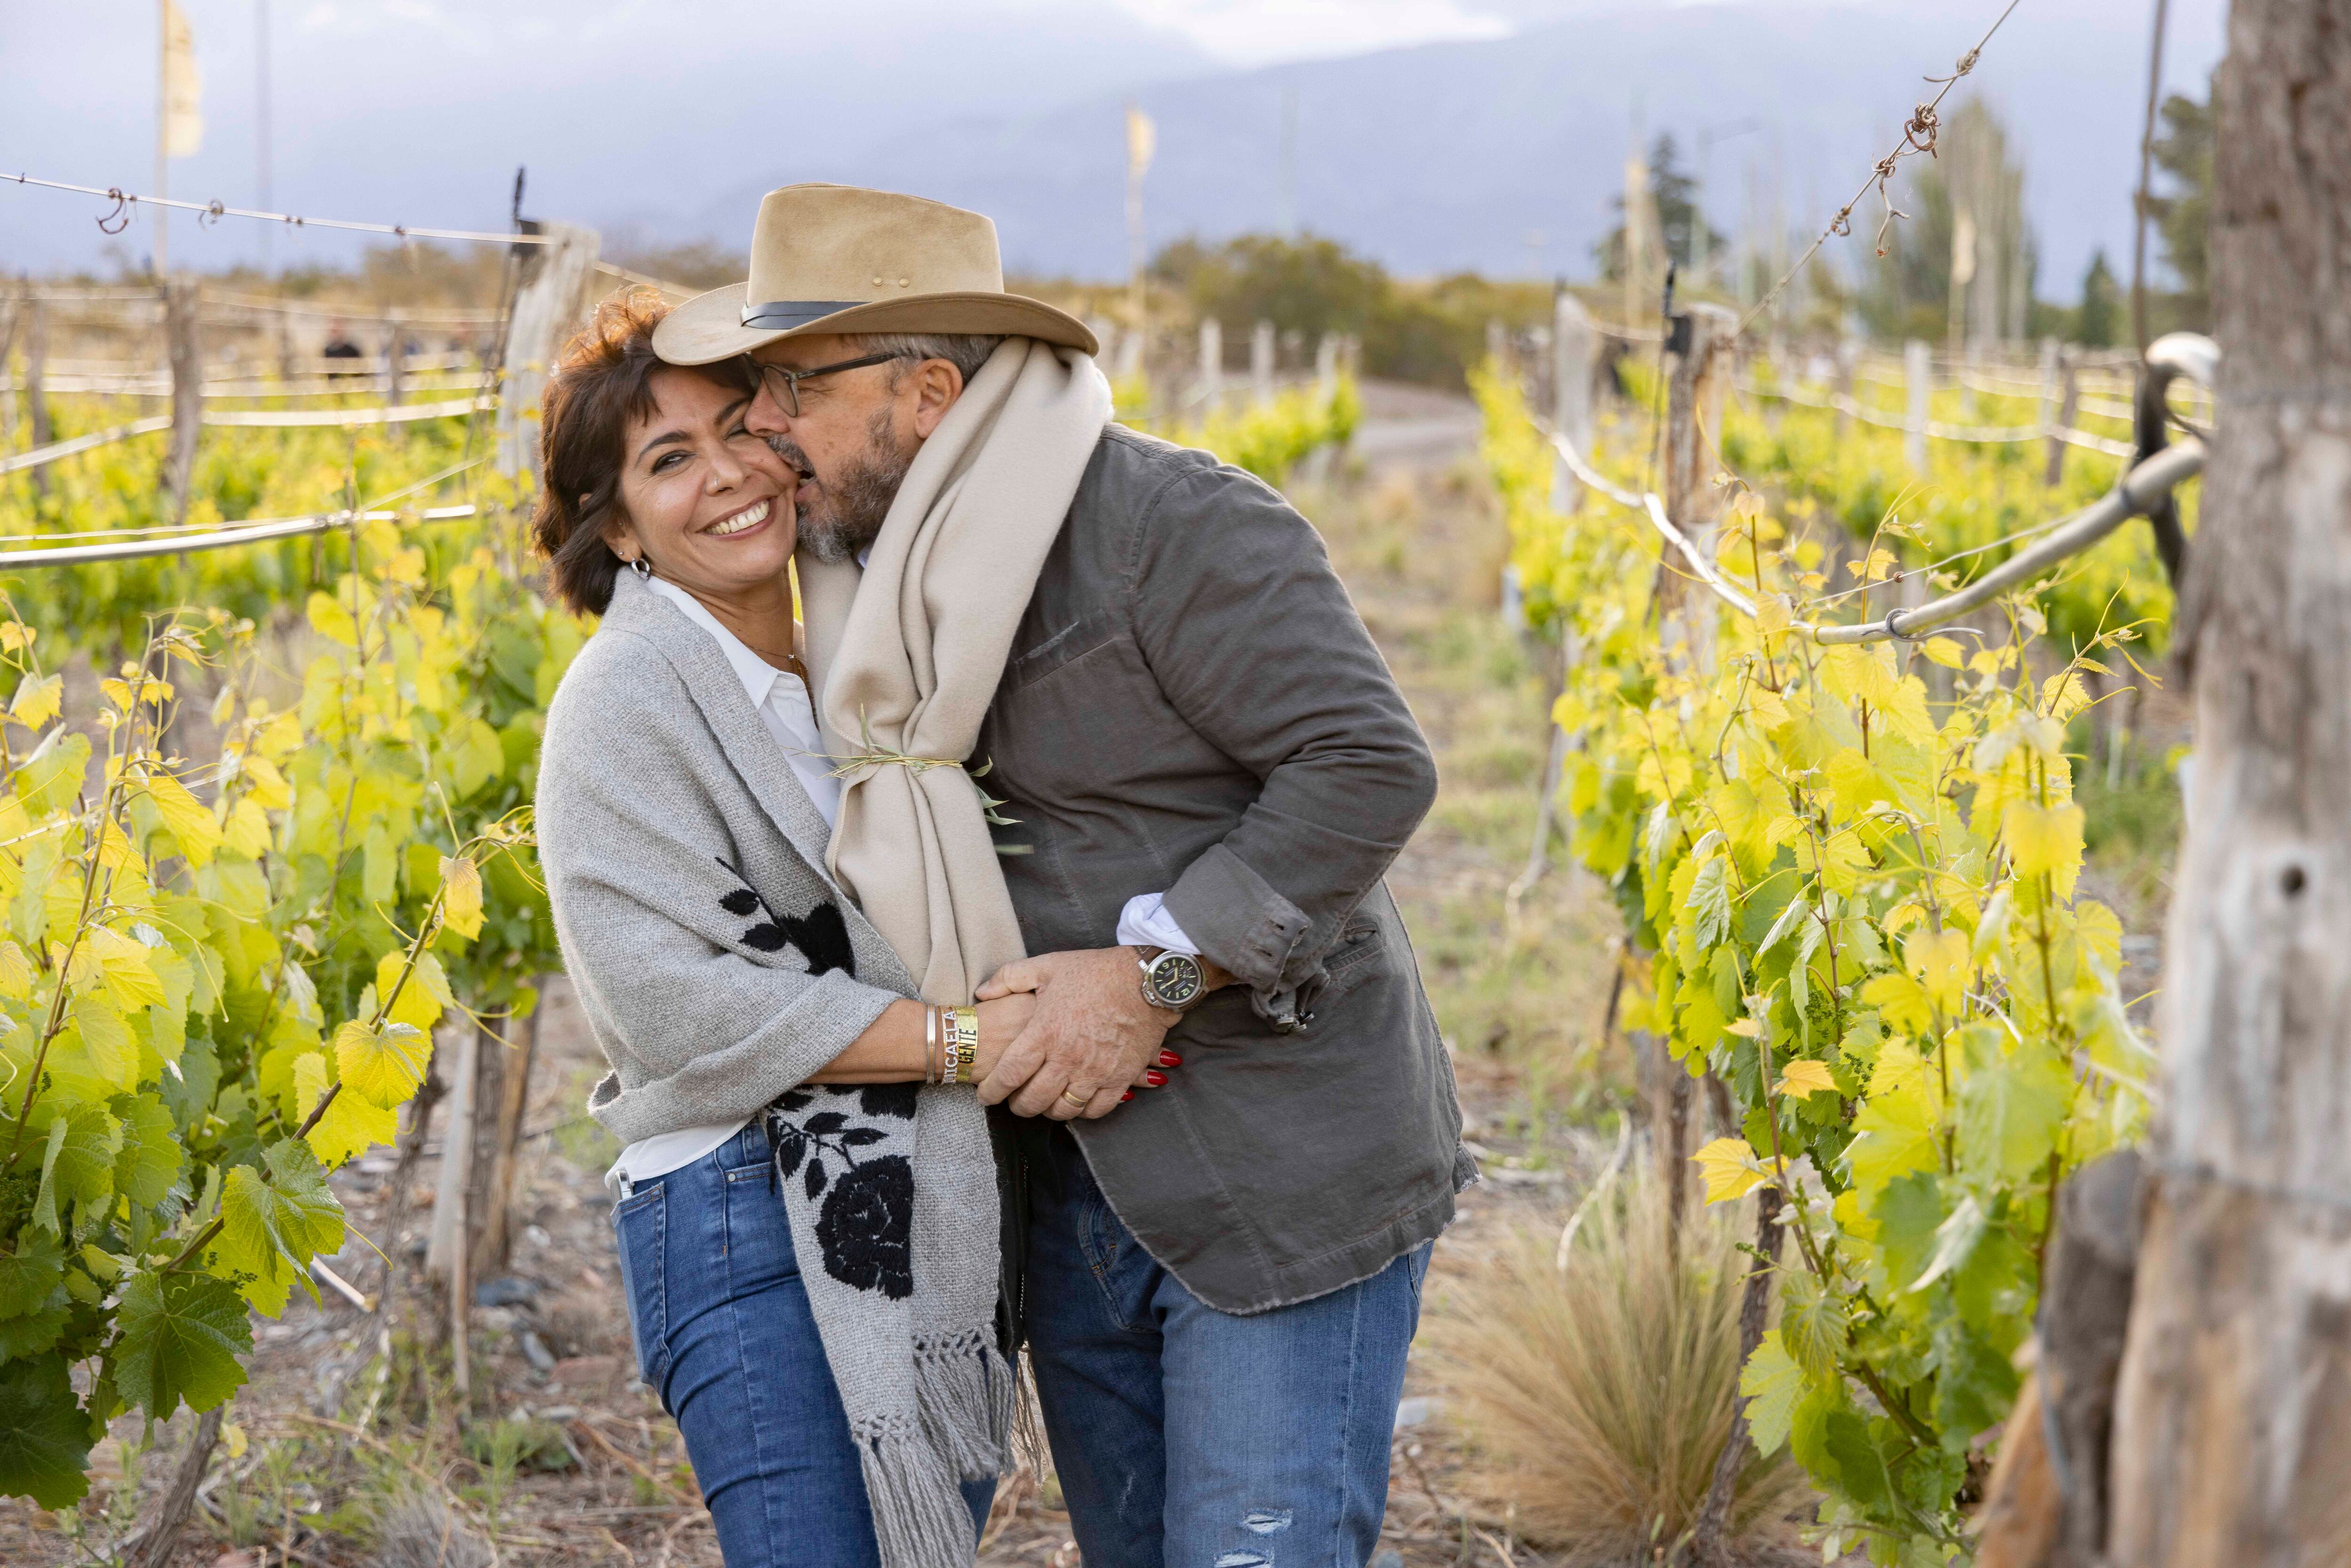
[840, 258]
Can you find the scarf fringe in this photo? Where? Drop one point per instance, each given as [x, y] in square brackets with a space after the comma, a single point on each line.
[920, 1519]
[964, 1397]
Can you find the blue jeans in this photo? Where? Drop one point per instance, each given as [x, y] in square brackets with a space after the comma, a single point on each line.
[724, 1334]
[1187, 1436]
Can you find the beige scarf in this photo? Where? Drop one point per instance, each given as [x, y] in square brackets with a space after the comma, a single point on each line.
[908, 653]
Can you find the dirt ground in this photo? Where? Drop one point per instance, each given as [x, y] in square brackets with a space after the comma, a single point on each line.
[345, 1449]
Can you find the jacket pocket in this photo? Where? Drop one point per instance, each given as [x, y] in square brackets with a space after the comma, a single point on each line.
[1072, 641]
[641, 1231]
[1353, 957]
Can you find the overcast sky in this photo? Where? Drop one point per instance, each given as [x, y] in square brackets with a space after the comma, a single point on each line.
[645, 110]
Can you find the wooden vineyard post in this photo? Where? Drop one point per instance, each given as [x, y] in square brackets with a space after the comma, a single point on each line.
[395, 359]
[1700, 348]
[556, 279]
[2069, 406]
[1212, 366]
[182, 303]
[1848, 355]
[1573, 341]
[2232, 1422]
[37, 401]
[1261, 364]
[444, 1253]
[1918, 385]
[503, 1094]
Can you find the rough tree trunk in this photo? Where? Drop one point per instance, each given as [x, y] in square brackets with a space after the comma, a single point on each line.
[2232, 1430]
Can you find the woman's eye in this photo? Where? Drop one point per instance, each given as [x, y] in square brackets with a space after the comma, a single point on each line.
[667, 460]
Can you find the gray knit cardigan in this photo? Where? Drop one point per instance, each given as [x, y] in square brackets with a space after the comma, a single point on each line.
[718, 967]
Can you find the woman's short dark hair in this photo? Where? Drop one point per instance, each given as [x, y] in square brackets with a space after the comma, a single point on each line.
[602, 382]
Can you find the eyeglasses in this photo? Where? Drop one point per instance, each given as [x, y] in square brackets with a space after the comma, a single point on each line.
[786, 383]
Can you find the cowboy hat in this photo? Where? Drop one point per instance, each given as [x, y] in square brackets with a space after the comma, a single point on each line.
[838, 258]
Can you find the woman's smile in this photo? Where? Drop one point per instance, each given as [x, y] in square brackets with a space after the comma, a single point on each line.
[743, 520]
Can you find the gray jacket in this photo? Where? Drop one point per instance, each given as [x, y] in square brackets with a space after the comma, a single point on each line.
[1193, 706]
[715, 963]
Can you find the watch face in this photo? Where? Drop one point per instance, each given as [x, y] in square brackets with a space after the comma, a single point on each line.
[1175, 980]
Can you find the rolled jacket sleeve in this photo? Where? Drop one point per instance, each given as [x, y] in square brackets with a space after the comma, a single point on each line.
[1254, 641]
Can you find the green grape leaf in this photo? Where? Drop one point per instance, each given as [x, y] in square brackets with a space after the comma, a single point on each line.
[248, 1242]
[383, 1064]
[29, 1274]
[311, 1218]
[130, 981]
[179, 1337]
[152, 1158]
[1955, 1240]
[1974, 1384]
[36, 1332]
[1860, 1468]
[2010, 1109]
[1907, 1212]
[1812, 1322]
[45, 1437]
[1709, 899]
[1772, 1383]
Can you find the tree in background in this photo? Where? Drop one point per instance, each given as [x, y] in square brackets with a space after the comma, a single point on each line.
[1675, 191]
[2183, 217]
[2100, 317]
[1429, 332]
[1961, 267]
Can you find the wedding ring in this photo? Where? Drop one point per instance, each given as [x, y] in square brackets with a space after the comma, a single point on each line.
[1080, 1101]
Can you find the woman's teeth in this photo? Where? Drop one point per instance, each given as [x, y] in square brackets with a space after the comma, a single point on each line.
[747, 519]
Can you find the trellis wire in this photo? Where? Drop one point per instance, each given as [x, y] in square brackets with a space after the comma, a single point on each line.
[336, 418]
[1979, 434]
[124, 200]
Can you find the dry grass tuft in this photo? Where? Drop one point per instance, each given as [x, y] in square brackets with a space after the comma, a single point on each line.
[417, 1528]
[1604, 1392]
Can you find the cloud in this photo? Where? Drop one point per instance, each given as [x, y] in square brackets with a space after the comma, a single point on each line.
[1261, 32]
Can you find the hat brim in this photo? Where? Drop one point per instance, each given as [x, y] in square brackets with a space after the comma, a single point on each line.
[709, 327]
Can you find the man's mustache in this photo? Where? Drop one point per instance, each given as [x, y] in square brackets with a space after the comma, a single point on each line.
[789, 451]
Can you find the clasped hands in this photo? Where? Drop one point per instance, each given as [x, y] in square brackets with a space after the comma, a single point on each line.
[1090, 1040]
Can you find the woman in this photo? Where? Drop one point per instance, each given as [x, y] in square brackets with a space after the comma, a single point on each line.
[809, 1237]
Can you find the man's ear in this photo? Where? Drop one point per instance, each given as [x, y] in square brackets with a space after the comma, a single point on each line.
[937, 384]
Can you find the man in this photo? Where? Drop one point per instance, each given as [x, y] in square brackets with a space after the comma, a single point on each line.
[1202, 770]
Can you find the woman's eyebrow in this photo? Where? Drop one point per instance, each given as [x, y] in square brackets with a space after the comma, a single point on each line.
[666, 438]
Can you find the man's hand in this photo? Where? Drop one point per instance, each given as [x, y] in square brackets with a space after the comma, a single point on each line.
[1091, 1035]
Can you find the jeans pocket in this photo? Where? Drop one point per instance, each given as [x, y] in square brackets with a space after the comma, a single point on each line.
[759, 1252]
[641, 1232]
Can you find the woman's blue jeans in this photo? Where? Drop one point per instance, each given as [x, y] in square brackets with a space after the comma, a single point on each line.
[725, 1335]
[1187, 1437]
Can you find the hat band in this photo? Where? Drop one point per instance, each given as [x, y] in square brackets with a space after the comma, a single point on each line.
[789, 313]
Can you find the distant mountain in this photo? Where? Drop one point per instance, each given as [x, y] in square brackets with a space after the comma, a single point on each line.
[1450, 156]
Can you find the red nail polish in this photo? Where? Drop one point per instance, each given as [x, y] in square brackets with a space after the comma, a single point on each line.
[1125, 1097]
[1157, 1079]
[1169, 1058]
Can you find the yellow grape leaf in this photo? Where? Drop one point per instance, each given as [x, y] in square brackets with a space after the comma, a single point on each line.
[123, 693]
[1805, 1077]
[246, 831]
[39, 700]
[1943, 651]
[2045, 838]
[350, 1126]
[1729, 1170]
[1772, 612]
[1855, 672]
[383, 1064]
[106, 1040]
[1854, 784]
[114, 849]
[16, 971]
[190, 820]
[268, 788]
[1899, 1067]
[309, 1083]
[1942, 960]
[2064, 694]
[331, 619]
[232, 1437]
[280, 737]
[422, 995]
[123, 969]
[461, 896]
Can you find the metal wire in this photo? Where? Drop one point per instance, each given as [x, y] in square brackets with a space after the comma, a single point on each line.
[123, 200]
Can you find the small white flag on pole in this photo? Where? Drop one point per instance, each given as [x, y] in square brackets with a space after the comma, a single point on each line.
[183, 87]
[1141, 140]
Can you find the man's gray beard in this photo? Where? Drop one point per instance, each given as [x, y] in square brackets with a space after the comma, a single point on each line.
[850, 508]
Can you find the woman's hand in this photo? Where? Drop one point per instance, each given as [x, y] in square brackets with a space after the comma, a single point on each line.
[1000, 1023]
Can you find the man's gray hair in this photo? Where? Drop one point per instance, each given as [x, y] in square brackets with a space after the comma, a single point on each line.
[966, 352]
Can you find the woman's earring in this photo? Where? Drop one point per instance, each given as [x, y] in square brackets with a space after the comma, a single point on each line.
[637, 563]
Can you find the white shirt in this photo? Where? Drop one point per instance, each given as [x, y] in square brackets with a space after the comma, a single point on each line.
[781, 700]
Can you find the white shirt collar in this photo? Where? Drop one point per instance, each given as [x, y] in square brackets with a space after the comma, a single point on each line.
[758, 676]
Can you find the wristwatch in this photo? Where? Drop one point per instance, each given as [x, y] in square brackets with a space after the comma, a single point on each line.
[1173, 982]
